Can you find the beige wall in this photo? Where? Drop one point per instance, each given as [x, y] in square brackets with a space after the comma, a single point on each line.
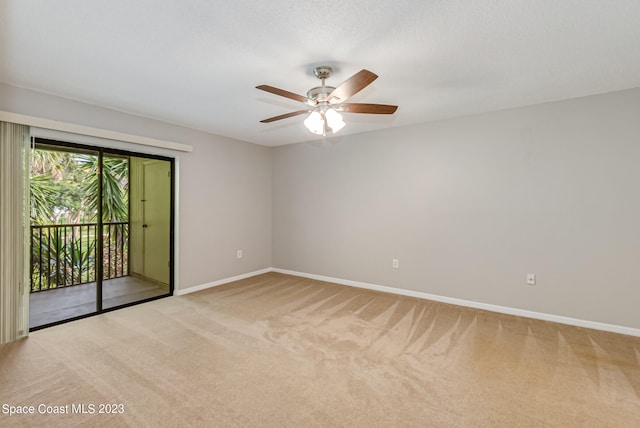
[470, 206]
[224, 185]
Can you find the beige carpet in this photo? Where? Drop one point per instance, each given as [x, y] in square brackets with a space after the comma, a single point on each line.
[276, 350]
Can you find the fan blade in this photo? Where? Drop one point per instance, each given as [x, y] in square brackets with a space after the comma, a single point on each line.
[284, 116]
[283, 93]
[353, 85]
[368, 108]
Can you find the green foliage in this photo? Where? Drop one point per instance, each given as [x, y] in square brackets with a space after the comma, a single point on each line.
[60, 260]
[47, 162]
[115, 186]
[64, 189]
[58, 195]
[43, 196]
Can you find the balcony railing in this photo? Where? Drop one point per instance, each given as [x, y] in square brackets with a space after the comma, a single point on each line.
[64, 255]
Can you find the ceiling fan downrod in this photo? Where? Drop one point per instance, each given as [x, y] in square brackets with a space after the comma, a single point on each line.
[320, 94]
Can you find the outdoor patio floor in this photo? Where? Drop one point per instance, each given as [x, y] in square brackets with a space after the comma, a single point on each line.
[46, 307]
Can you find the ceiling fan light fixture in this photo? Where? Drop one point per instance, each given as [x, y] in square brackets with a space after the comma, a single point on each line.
[322, 118]
[315, 122]
[334, 120]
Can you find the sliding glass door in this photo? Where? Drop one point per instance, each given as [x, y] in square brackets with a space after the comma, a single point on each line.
[101, 232]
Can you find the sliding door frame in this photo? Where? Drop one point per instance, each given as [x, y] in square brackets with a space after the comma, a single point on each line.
[99, 244]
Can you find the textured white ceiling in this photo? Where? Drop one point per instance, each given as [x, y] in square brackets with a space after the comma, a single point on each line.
[197, 62]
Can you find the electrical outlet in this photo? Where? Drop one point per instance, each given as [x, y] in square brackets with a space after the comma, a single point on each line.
[531, 278]
[395, 263]
[239, 254]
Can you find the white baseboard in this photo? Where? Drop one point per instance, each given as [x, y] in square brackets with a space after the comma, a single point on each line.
[220, 282]
[410, 293]
[471, 304]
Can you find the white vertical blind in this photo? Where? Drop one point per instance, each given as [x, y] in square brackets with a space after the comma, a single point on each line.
[14, 224]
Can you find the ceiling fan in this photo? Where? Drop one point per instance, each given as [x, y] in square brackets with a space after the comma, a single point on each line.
[323, 103]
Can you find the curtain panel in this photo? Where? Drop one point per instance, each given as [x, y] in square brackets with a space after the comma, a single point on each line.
[14, 227]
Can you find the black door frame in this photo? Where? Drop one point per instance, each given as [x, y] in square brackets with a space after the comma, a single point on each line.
[99, 266]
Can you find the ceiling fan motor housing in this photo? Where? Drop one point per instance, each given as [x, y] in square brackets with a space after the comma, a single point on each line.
[320, 93]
